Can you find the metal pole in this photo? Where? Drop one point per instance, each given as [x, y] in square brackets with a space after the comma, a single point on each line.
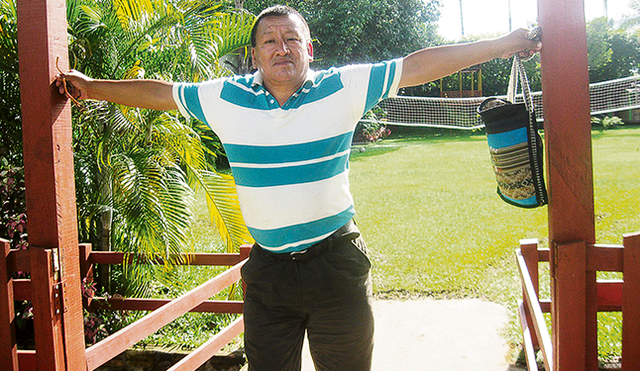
[509, 6]
[461, 20]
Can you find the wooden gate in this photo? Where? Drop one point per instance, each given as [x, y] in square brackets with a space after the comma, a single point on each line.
[43, 266]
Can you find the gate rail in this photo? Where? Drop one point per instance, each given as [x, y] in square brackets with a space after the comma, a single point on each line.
[43, 264]
[612, 295]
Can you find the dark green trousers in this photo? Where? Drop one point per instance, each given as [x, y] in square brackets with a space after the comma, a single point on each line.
[327, 296]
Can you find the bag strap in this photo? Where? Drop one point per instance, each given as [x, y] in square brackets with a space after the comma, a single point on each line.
[517, 70]
[512, 89]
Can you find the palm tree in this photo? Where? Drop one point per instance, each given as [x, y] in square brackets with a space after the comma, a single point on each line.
[137, 170]
[10, 134]
[633, 20]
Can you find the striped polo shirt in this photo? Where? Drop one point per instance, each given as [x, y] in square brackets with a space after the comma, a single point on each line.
[291, 163]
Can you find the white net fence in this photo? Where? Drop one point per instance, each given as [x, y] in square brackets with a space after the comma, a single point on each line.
[461, 113]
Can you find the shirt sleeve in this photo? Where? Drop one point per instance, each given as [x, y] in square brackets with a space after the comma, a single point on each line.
[187, 98]
[384, 78]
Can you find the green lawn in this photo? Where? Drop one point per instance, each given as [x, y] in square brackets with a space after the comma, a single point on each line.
[436, 227]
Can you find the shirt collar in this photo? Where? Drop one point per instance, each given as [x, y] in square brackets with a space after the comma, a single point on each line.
[259, 81]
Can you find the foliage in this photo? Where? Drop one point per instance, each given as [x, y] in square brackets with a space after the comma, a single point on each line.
[13, 220]
[371, 132]
[94, 327]
[631, 22]
[607, 122]
[11, 130]
[356, 31]
[612, 53]
[138, 169]
[435, 227]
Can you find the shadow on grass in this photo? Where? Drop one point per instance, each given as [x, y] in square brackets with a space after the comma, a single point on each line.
[360, 151]
[626, 130]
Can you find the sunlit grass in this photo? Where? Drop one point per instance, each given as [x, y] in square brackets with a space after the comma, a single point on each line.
[435, 226]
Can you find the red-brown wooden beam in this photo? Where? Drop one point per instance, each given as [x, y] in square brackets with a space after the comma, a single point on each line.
[22, 289]
[208, 306]
[47, 311]
[8, 345]
[533, 311]
[570, 303]
[567, 128]
[117, 257]
[48, 159]
[18, 260]
[27, 359]
[631, 304]
[207, 350]
[600, 257]
[116, 343]
[529, 250]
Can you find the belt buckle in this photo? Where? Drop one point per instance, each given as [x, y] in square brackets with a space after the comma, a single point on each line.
[295, 255]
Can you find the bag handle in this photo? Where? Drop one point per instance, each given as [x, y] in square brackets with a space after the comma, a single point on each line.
[517, 70]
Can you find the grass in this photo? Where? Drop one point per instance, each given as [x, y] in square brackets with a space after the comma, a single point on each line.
[191, 330]
[435, 226]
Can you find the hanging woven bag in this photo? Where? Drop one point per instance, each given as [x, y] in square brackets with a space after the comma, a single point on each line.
[515, 144]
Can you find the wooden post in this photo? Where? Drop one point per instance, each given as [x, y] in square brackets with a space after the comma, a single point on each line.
[567, 129]
[47, 310]
[570, 304]
[631, 303]
[48, 159]
[8, 346]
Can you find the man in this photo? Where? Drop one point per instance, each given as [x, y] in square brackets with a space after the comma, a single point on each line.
[287, 132]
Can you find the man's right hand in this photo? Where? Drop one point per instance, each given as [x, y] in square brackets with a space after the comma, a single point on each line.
[77, 84]
[151, 94]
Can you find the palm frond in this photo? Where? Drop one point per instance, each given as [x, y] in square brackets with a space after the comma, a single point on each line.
[133, 11]
[8, 36]
[151, 162]
[153, 201]
[220, 190]
[224, 209]
[232, 32]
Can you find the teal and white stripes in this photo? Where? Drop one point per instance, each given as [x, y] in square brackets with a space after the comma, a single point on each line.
[291, 162]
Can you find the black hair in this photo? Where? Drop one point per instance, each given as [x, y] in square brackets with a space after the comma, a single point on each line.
[275, 11]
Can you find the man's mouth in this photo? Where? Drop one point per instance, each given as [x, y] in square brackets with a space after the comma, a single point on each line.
[282, 62]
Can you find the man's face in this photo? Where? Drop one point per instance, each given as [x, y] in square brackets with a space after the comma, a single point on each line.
[283, 51]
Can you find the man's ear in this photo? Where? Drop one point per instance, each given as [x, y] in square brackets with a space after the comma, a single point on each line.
[253, 58]
[310, 51]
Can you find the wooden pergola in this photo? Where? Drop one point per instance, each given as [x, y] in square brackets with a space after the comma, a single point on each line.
[57, 264]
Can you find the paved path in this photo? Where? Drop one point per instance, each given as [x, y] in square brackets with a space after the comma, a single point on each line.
[451, 335]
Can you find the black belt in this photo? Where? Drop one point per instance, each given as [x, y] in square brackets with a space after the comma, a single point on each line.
[347, 232]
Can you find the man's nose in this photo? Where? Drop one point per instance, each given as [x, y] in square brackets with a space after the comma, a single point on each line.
[282, 47]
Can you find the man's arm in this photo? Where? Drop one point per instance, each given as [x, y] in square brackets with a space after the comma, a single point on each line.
[152, 94]
[434, 63]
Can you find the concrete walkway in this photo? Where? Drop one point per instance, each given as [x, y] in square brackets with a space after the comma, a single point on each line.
[426, 334]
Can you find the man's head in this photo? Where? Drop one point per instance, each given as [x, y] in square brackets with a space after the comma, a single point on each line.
[282, 48]
[278, 11]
